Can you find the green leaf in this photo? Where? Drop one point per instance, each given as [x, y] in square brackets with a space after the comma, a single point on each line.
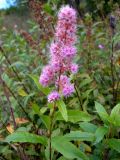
[88, 127]
[46, 120]
[100, 133]
[44, 90]
[67, 149]
[47, 8]
[116, 39]
[114, 144]
[21, 129]
[17, 64]
[62, 108]
[115, 115]
[85, 82]
[62, 158]
[25, 137]
[22, 93]
[102, 112]
[86, 93]
[81, 136]
[43, 110]
[75, 116]
[36, 109]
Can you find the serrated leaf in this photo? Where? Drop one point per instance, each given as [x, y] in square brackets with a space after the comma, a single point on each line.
[62, 108]
[85, 82]
[100, 133]
[25, 137]
[114, 144]
[43, 110]
[79, 135]
[102, 112]
[75, 116]
[115, 115]
[88, 127]
[67, 149]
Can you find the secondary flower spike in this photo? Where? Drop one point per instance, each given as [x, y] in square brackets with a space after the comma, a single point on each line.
[62, 53]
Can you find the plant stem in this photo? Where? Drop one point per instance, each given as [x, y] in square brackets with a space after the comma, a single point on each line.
[50, 132]
[20, 152]
[106, 154]
[50, 145]
[5, 85]
[112, 73]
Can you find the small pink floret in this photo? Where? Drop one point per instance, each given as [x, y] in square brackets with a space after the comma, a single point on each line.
[53, 96]
[101, 46]
[74, 68]
[67, 13]
[68, 90]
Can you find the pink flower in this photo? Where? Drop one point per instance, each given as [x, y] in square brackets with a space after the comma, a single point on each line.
[55, 63]
[54, 49]
[68, 51]
[53, 96]
[65, 86]
[44, 80]
[67, 14]
[68, 90]
[64, 80]
[74, 68]
[47, 75]
[48, 70]
[101, 46]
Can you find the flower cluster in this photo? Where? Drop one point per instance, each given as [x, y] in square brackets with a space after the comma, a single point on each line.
[62, 52]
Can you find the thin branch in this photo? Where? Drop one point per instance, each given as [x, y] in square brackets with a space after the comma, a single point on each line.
[50, 132]
[112, 72]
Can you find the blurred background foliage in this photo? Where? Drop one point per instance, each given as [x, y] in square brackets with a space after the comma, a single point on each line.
[95, 7]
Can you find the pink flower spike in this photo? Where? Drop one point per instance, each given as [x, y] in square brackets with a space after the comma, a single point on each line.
[53, 96]
[62, 52]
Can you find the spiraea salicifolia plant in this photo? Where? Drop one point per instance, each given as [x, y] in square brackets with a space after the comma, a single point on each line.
[61, 130]
[62, 52]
